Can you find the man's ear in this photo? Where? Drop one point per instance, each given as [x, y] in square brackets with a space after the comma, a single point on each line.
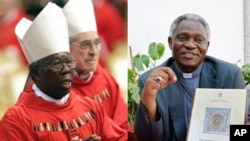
[208, 43]
[34, 73]
[170, 42]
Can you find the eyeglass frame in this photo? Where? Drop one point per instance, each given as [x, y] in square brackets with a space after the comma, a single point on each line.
[87, 44]
[57, 66]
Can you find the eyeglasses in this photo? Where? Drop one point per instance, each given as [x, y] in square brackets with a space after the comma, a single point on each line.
[57, 64]
[85, 45]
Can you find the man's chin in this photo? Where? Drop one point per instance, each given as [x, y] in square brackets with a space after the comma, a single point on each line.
[91, 67]
[86, 70]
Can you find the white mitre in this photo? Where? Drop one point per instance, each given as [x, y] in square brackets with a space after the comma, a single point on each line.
[46, 35]
[80, 16]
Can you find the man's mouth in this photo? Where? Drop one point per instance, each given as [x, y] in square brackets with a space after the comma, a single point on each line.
[67, 83]
[189, 54]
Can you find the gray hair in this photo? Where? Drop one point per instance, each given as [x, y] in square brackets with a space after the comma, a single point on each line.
[193, 17]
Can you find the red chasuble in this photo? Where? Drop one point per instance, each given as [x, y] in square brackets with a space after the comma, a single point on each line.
[34, 119]
[104, 89]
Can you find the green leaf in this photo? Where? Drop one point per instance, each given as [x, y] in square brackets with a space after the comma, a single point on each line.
[145, 60]
[131, 76]
[156, 51]
[133, 94]
[152, 51]
[160, 49]
[141, 61]
[136, 97]
[138, 62]
[246, 73]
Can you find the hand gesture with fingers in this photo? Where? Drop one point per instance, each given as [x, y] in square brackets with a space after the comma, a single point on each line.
[159, 78]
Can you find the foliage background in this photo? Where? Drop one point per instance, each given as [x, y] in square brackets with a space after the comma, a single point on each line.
[140, 63]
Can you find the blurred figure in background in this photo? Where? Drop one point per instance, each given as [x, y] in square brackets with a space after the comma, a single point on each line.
[13, 64]
[34, 7]
[11, 11]
[110, 25]
[112, 28]
[121, 6]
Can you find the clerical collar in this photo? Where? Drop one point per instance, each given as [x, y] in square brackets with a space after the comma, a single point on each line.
[39, 93]
[86, 79]
[188, 75]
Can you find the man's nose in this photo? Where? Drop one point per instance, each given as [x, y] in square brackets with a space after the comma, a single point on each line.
[93, 48]
[190, 43]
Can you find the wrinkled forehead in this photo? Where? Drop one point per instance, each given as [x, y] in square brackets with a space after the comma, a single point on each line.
[90, 35]
[191, 26]
[59, 55]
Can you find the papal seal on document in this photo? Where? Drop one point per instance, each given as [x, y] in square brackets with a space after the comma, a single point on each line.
[217, 121]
